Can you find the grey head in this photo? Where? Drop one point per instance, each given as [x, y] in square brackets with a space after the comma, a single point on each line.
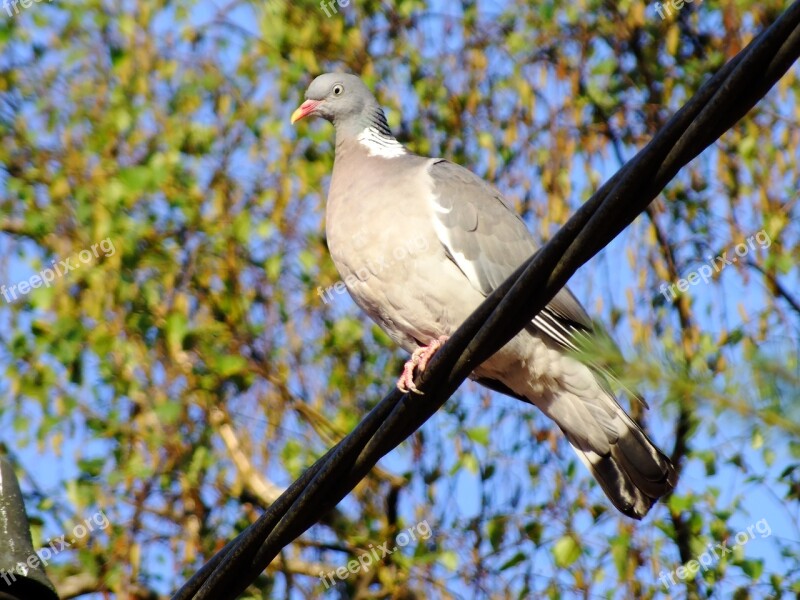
[345, 101]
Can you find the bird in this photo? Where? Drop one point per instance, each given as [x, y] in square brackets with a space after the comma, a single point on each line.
[467, 242]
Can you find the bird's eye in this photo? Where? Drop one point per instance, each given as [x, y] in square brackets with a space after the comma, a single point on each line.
[338, 89]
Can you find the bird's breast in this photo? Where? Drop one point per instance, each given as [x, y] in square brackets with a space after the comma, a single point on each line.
[381, 237]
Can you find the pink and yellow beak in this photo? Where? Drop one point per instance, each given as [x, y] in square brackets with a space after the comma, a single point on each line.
[305, 109]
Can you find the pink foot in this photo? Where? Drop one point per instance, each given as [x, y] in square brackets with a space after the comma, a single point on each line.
[418, 362]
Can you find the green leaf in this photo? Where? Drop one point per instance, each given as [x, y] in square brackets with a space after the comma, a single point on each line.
[230, 364]
[470, 462]
[449, 560]
[513, 561]
[620, 552]
[169, 412]
[479, 435]
[534, 531]
[176, 328]
[753, 568]
[566, 551]
[496, 529]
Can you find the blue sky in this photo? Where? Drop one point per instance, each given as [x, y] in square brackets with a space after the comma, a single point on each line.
[607, 279]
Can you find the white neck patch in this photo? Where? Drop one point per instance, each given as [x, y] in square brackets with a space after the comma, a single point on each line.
[379, 144]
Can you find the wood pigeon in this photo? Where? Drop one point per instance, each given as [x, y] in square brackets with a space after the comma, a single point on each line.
[467, 242]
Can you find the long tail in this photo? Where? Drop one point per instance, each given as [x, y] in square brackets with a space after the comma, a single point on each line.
[634, 473]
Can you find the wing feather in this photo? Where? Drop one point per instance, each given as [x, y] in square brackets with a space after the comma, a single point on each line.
[487, 240]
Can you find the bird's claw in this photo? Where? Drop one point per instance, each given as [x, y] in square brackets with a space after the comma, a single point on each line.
[406, 381]
[418, 362]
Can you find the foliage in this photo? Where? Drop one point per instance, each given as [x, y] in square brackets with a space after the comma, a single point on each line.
[181, 381]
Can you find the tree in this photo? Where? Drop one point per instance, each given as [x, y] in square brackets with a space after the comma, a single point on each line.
[191, 367]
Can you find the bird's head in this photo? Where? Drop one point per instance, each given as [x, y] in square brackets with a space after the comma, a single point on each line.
[338, 97]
